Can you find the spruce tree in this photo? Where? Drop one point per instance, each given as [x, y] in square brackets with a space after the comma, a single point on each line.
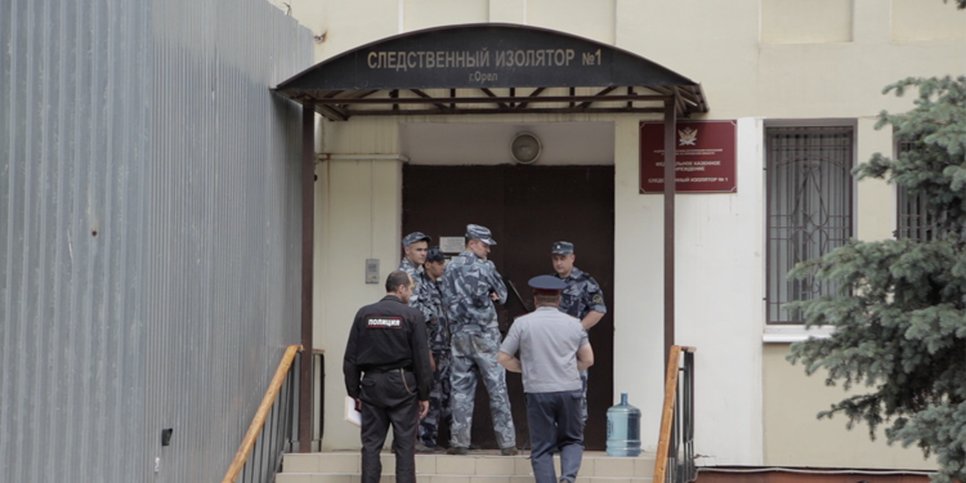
[899, 319]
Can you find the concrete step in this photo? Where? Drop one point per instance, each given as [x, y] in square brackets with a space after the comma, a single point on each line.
[321, 478]
[478, 467]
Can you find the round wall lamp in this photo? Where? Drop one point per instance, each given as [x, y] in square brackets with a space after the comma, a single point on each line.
[526, 148]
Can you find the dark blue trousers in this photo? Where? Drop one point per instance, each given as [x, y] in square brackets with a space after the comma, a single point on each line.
[555, 427]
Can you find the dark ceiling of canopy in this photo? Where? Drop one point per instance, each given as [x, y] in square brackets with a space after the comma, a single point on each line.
[489, 69]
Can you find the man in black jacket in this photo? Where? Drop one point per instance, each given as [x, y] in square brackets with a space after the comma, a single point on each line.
[387, 370]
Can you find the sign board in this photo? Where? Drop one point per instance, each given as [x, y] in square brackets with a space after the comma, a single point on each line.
[451, 244]
[705, 160]
[482, 55]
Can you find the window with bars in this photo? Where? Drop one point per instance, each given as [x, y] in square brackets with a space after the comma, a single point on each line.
[809, 209]
[914, 221]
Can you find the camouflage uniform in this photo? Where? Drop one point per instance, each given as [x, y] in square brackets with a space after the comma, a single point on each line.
[411, 268]
[423, 293]
[467, 285]
[582, 295]
[426, 298]
[439, 340]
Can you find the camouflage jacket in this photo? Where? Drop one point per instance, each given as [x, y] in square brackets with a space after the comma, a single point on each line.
[437, 328]
[411, 268]
[582, 295]
[467, 284]
[423, 291]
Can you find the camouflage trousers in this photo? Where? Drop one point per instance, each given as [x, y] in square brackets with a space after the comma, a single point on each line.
[474, 352]
[438, 401]
[583, 399]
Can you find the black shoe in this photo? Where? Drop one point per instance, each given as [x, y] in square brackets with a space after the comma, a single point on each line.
[457, 450]
[511, 451]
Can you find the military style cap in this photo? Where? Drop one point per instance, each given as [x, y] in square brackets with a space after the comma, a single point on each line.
[414, 237]
[547, 282]
[481, 233]
[435, 255]
[562, 248]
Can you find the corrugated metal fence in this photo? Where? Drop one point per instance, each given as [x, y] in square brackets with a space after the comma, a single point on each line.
[149, 232]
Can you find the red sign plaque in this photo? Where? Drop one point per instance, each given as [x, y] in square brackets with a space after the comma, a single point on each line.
[705, 161]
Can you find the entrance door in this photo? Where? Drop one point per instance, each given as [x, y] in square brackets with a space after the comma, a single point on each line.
[527, 208]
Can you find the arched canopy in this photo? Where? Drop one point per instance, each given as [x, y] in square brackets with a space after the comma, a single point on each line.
[489, 69]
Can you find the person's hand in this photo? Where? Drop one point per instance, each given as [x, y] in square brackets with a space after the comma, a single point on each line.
[358, 404]
[432, 362]
[423, 409]
[494, 297]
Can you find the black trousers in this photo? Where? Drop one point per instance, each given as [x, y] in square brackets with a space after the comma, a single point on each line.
[389, 397]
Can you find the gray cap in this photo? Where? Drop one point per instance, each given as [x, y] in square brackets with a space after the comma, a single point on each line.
[481, 233]
[546, 282]
[562, 248]
[435, 255]
[414, 237]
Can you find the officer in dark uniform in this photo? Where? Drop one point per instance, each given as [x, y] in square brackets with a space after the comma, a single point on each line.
[387, 371]
[582, 298]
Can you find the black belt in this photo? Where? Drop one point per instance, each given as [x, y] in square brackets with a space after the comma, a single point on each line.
[383, 370]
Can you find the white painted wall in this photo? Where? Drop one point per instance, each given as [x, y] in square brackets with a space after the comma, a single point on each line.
[718, 301]
[359, 217]
[815, 21]
[876, 199]
[488, 143]
[638, 282]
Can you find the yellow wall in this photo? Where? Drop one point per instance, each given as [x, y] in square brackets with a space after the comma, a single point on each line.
[794, 437]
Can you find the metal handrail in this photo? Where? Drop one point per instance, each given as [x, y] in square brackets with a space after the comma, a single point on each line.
[675, 448]
[277, 406]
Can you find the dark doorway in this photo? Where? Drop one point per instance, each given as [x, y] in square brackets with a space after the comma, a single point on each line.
[527, 208]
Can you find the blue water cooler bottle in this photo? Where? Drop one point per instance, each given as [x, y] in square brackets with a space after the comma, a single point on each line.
[623, 429]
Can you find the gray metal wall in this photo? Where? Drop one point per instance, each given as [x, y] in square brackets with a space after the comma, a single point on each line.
[149, 232]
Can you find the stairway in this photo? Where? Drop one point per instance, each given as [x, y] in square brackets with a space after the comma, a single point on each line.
[483, 466]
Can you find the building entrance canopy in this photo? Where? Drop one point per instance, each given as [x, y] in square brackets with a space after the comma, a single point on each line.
[489, 69]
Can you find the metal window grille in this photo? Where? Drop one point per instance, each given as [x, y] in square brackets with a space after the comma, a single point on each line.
[914, 221]
[809, 209]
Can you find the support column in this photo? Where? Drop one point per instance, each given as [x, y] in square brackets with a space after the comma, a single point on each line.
[670, 151]
[306, 405]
